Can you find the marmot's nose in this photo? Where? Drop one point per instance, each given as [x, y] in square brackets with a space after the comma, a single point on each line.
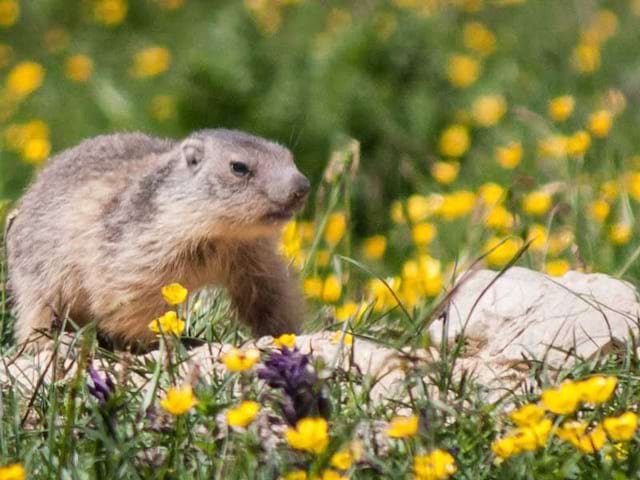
[300, 188]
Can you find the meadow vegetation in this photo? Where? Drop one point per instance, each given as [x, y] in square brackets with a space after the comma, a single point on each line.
[439, 135]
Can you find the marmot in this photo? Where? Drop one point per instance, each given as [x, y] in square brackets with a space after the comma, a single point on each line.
[107, 223]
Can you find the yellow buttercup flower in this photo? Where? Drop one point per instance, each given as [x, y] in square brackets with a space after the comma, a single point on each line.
[151, 62]
[578, 143]
[445, 172]
[538, 236]
[599, 210]
[586, 58]
[501, 252]
[14, 471]
[620, 233]
[238, 361]
[436, 465]
[491, 193]
[403, 427]
[339, 337]
[479, 38]
[532, 437]
[243, 414]
[36, 150]
[336, 228]
[557, 268]
[527, 415]
[423, 233]
[9, 13]
[457, 205]
[110, 12]
[78, 68]
[287, 340]
[600, 123]
[590, 442]
[331, 289]
[374, 247]
[463, 70]
[179, 400]
[168, 324]
[632, 182]
[554, 146]
[421, 207]
[509, 156]
[504, 447]
[622, 428]
[329, 474]
[349, 310]
[310, 434]
[562, 400]
[342, 460]
[25, 78]
[454, 141]
[312, 287]
[174, 293]
[560, 108]
[487, 110]
[536, 203]
[296, 475]
[597, 389]
[499, 218]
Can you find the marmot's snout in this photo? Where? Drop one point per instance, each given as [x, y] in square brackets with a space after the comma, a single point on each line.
[300, 187]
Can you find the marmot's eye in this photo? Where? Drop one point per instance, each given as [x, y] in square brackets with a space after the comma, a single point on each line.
[239, 169]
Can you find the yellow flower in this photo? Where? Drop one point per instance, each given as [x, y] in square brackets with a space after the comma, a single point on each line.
[163, 107]
[536, 203]
[285, 340]
[338, 337]
[454, 141]
[504, 447]
[349, 310]
[445, 172]
[620, 233]
[463, 70]
[578, 143]
[36, 150]
[296, 475]
[420, 207]
[591, 441]
[499, 218]
[423, 233]
[501, 252]
[14, 471]
[586, 58]
[479, 38]
[380, 295]
[243, 414]
[561, 108]
[527, 415]
[336, 228]
[331, 289]
[329, 474]
[291, 240]
[557, 268]
[491, 193]
[342, 460]
[174, 293]
[457, 204]
[622, 428]
[78, 68]
[25, 78]
[599, 210]
[169, 323]
[562, 400]
[9, 13]
[437, 465]
[179, 400]
[554, 146]
[310, 434]
[374, 247]
[403, 427]
[238, 361]
[150, 62]
[600, 123]
[533, 437]
[487, 110]
[110, 12]
[632, 182]
[312, 287]
[597, 389]
[509, 156]
[537, 235]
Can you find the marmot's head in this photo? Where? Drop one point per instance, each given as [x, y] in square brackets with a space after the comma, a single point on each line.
[252, 184]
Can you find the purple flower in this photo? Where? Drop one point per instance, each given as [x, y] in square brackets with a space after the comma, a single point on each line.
[291, 372]
[102, 388]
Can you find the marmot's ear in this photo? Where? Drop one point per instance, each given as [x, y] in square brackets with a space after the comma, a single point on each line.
[192, 152]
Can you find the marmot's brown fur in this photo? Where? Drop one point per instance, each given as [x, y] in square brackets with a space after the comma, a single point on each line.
[106, 224]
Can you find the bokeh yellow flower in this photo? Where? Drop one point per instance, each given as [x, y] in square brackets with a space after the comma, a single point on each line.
[287, 340]
[167, 324]
[477, 37]
[179, 400]
[509, 156]
[380, 295]
[243, 414]
[342, 459]
[437, 465]
[557, 268]
[586, 58]
[331, 289]
[578, 143]
[340, 337]
[151, 62]
[620, 233]
[174, 293]
[560, 108]
[454, 141]
[622, 428]
[538, 237]
[445, 172]
[504, 447]
[36, 150]
[554, 146]
[632, 182]
[423, 233]
[14, 471]
[25, 78]
[527, 415]
[562, 400]
[487, 110]
[560, 241]
[237, 360]
[499, 218]
[599, 210]
[310, 434]
[501, 251]
[598, 389]
[600, 123]
[374, 247]
[491, 193]
[9, 13]
[457, 204]
[296, 475]
[335, 228]
[403, 427]
[110, 12]
[463, 70]
[421, 207]
[350, 310]
[78, 68]
[536, 203]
